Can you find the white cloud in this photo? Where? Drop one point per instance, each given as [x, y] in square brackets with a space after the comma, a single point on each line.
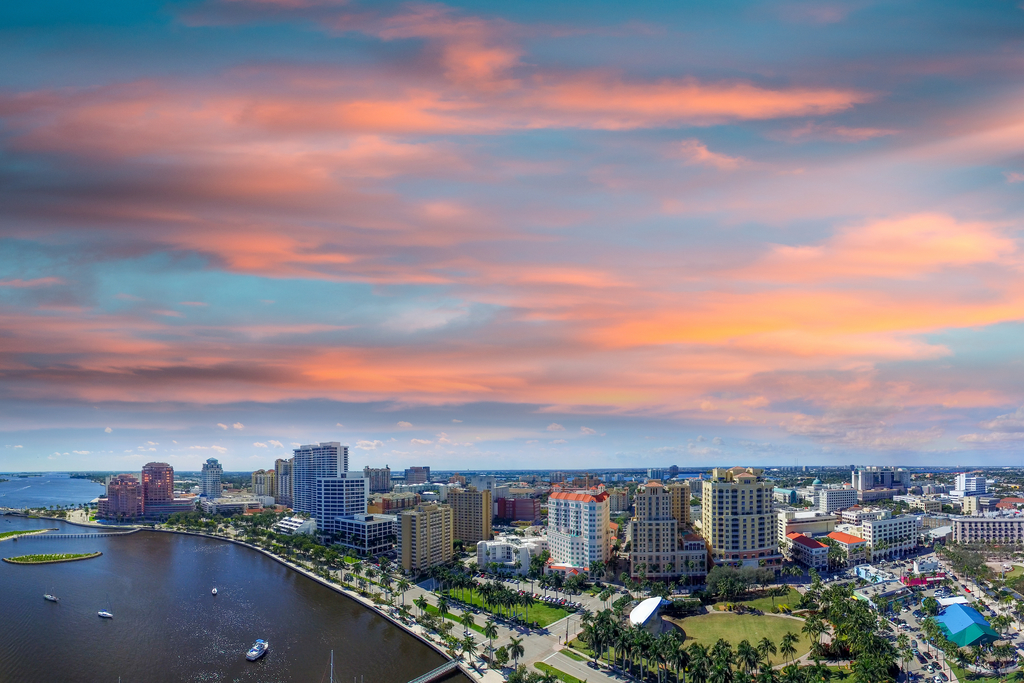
[1014, 177]
[443, 438]
[17, 446]
[717, 441]
[81, 452]
[555, 427]
[222, 425]
[556, 441]
[238, 425]
[219, 449]
[700, 438]
[369, 445]
[587, 430]
[275, 443]
[152, 443]
[108, 430]
[340, 425]
[296, 444]
[420, 441]
[1011, 422]
[706, 406]
[994, 437]
[456, 421]
[257, 444]
[405, 425]
[194, 448]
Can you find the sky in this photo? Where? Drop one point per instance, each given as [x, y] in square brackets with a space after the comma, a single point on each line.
[488, 235]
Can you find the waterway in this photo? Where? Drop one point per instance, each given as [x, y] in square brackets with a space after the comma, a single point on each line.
[167, 627]
[48, 489]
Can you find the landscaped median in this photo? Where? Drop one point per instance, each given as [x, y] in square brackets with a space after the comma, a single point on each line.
[51, 558]
[558, 673]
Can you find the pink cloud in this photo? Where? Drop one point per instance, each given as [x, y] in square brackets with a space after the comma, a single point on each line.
[18, 283]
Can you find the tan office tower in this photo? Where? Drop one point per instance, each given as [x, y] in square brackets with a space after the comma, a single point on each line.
[283, 481]
[738, 516]
[425, 537]
[680, 493]
[264, 483]
[473, 514]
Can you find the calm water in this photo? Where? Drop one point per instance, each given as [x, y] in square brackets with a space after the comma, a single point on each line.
[47, 490]
[167, 627]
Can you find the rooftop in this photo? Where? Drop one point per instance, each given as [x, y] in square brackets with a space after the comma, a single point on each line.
[846, 538]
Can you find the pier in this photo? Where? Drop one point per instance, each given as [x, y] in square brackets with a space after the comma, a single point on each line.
[440, 671]
[103, 534]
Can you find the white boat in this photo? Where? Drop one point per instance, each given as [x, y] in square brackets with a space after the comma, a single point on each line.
[214, 591]
[51, 598]
[105, 614]
[258, 649]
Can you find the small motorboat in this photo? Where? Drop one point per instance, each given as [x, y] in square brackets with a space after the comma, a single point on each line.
[105, 614]
[214, 591]
[51, 598]
[258, 649]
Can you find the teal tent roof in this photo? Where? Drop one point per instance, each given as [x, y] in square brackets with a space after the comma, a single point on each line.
[965, 626]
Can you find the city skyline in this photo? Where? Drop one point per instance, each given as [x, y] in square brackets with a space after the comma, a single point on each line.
[479, 237]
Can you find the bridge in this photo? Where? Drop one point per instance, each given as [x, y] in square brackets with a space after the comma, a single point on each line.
[440, 671]
[103, 534]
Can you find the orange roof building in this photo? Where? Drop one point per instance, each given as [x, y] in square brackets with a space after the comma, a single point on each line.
[579, 529]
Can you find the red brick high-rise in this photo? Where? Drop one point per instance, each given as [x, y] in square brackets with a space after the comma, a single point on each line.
[124, 498]
[157, 483]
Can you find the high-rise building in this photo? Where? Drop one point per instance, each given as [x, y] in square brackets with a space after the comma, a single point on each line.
[339, 496]
[656, 537]
[657, 473]
[680, 493]
[971, 485]
[264, 483]
[124, 499]
[457, 479]
[417, 475]
[866, 478]
[210, 479]
[483, 481]
[312, 462]
[157, 483]
[472, 512]
[379, 477]
[425, 537]
[578, 529]
[283, 477]
[738, 517]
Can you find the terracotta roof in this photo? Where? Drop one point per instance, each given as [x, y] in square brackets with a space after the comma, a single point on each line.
[1010, 502]
[846, 538]
[800, 539]
[653, 482]
[580, 497]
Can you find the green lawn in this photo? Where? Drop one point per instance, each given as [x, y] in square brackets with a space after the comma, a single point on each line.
[1015, 572]
[452, 617]
[765, 604]
[541, 612]
[561, 675]
[706, 629]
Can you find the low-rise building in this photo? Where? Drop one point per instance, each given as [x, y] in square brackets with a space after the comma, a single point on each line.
[392, 503]
[884, 596]
[833, 500]
[366, 534]
[999, 529]
[858, 514]
[807, 551]
[856, 548]
[511, 552]
[893, 536]
[231, 506]
[785, 496]
[294, 526]
[804, 522]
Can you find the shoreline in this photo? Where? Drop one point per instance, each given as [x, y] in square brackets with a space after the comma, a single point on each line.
[346, 593]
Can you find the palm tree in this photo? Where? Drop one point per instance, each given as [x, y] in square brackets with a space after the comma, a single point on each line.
[679, 658]
[747, 656]
[515, 649]
[403, 587]
[422, 603]
[469, 649]
[490, 633]
[442, 606]
[466, 620]
[766, 648]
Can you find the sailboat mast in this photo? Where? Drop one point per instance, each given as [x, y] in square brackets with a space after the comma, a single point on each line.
[332, 666]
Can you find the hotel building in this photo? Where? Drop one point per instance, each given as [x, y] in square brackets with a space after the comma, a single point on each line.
[578, 529]
[738, 517]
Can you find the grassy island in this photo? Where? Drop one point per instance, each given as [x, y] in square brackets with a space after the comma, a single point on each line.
[51, 558]
[14, 534]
